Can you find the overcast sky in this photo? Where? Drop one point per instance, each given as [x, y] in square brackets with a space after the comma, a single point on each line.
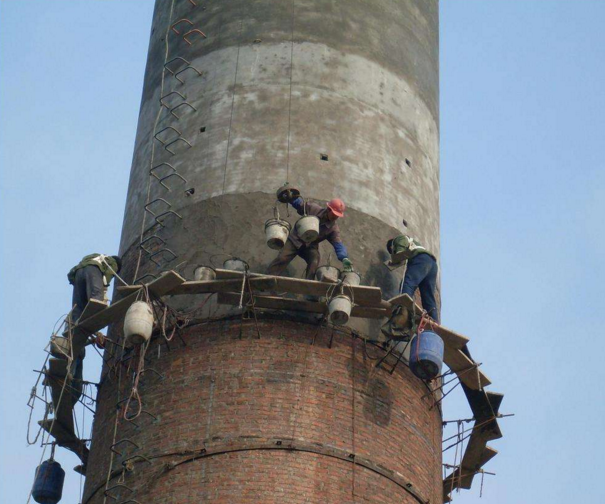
[522, 210]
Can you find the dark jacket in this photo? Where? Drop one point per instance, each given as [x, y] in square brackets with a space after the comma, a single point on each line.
[328, 230]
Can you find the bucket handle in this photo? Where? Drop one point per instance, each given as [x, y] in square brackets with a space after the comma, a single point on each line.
[276, 213]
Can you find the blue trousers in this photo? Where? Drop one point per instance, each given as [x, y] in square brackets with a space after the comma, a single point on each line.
[421, 274]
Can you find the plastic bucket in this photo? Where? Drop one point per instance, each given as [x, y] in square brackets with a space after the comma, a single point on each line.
[48, 485]
[327, 274]
[204, 274]
[426, 355]
[276, 233]
[234, 265]
[60, 347]
[138, 323]
[351, 278]
[307, 228]
[340, 310]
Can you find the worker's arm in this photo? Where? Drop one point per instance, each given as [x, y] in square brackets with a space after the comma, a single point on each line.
[298, 205]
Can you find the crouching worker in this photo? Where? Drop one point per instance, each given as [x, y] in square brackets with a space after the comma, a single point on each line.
[90, 278]
[328, 230]
[421, 272]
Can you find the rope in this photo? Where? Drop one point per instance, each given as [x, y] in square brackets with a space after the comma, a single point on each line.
[290, 102]
[239, 39]
[153, 132]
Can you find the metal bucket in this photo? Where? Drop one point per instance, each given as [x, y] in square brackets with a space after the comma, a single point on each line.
[351, 278]
[426, 355]
[307, 228]
[340, 310]
[276, 233]
[234, 264]
[204, 274]
[138, 323]
[48, 485]
[60, 347]
[327, 274]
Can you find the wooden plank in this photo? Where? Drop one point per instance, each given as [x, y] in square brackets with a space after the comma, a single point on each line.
[167, 282]
[450, 338]
[362, 294]
[463, 367]
[214, 286]
[65, 438]
[475, 460]
[279, 303]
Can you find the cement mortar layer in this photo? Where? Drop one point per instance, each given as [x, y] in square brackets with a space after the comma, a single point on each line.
[227, 401]
[363, 91]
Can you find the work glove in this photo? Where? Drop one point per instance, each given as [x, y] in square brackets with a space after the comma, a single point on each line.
[348, 265]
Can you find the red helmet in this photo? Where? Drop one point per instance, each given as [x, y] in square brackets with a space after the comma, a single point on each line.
[337, 206]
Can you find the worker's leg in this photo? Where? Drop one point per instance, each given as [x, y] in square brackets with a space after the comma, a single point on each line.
[80, 297]
[94, 283]
[311, 257]
[285, 256]
[418, 268]
[428, 287]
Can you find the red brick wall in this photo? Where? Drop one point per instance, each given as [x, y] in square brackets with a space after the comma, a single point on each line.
[355, 433]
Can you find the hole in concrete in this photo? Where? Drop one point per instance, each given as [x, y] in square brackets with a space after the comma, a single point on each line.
[190, 191]
[323, 157]
[408, 162]
[203, 129]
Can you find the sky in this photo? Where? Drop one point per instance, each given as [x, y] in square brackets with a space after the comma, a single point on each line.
[522, 106]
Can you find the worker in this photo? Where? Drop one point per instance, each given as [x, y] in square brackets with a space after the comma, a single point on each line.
[328, 230]
[421, 272]
[90, 278]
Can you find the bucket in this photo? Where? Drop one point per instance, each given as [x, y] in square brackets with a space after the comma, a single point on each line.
[234, 264]
[327, 274]
[340, 310]
[60, 347]
[48, 486]
[138, 323]
[204, 274]
[426, 355]
[307, 228]
[351, 278]
[276, 233]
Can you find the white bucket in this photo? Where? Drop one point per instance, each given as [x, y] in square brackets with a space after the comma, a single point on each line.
[60, 347]
[204, 274]
[340, 310]
[276, 233]
[234, 265]
[138, 323]
[351, 278]
[307, 228]
[327, 274]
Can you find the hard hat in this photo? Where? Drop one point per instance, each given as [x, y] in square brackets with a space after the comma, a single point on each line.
[337, 206]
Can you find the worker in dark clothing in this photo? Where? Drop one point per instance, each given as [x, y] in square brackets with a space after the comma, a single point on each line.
[90, 278]
[421, 272]
[328, 230]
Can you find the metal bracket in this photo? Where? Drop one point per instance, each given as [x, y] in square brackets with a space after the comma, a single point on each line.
[174, 59]
[167, 95]
[180, 105]
[152, 171]
[139, 280]
[189, 67]
[125, 440]
[174, 25]
[116, 486]
[147, 209]
[148, 239]
[175, 141]
[134, 457]
[193, 31]
[164, 129]
[175, 174]
[168, 212]
[151, 257]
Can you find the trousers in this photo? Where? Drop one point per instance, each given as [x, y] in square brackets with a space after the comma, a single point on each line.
[87, 285]
[421, 273]
[310, 253]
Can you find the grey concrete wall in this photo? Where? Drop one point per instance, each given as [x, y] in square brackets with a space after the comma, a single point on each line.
[355, 79]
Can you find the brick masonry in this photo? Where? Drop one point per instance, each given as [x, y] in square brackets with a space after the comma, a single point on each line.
[272, 419]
